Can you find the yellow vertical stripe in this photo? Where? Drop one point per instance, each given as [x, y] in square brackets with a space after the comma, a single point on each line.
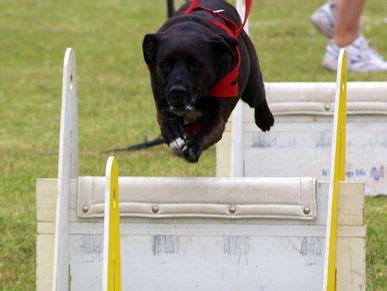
[337, 173]
[114, 260]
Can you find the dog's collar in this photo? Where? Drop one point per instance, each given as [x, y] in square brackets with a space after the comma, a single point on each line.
[228, 86]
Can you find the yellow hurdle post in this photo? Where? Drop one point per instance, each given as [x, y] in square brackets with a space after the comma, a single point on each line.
[337, 172]
[111, 251]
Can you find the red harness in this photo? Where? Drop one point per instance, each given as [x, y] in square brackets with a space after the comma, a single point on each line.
[227, 87]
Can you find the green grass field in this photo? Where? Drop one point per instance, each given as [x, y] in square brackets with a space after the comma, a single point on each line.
[115, 103]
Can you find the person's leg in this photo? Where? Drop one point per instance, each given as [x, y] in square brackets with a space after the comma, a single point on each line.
[340, 21]
[347, 21]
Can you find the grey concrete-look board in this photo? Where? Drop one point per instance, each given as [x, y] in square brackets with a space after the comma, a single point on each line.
[206, 253]
[299, 144]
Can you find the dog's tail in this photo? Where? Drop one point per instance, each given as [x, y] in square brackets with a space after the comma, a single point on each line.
[170, 8]
[144, 145]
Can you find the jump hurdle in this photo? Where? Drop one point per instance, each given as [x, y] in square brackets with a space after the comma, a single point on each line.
[192, 233]
[302, 132]
[303, 113]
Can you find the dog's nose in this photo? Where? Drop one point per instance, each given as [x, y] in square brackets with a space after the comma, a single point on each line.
[177, 91]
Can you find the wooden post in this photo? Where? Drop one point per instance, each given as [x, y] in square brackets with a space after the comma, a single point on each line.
[337, 173]
[111, 251]
[67, 170]
[237, 156]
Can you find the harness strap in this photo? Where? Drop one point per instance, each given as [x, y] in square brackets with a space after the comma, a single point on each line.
[228, 86]
[247, 13]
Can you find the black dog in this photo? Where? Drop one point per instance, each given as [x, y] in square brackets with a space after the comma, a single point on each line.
[186, 58]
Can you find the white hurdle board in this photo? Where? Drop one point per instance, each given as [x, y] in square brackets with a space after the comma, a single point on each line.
[192, 233]
[173, 246]
[299, 143]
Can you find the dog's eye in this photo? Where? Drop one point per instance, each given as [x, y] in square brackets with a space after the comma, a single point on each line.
[166, 66]
[195, 66]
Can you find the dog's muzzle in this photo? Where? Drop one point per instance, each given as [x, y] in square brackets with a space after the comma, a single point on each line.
[180, 101]
[180, 110]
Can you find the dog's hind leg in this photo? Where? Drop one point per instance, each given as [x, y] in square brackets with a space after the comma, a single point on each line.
[254, 93]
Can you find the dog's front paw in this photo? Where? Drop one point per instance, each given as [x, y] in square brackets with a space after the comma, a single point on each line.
[173, 134]
[263, 117]
[192, 152]
[177, 146]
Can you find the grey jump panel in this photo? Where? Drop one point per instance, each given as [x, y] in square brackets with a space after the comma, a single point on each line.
[162, 197]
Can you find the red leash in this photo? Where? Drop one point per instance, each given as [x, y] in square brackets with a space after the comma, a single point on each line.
[227, 87]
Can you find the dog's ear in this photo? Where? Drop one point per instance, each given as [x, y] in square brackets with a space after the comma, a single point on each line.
[149, 48]
[223, 44]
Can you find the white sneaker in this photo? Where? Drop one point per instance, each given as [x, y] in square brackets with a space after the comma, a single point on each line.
[360, 57]
[324, 19]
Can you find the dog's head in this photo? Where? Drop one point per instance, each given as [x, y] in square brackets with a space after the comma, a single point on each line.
[187, 62]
